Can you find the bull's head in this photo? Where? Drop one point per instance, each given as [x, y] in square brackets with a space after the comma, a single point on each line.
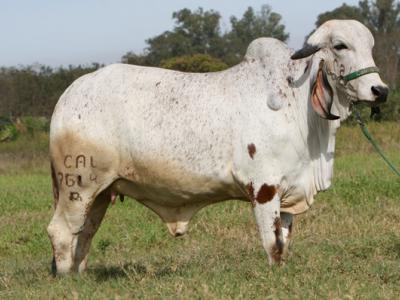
[342, 67]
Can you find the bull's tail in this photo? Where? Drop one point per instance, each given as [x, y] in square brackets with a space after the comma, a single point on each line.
[56, 191]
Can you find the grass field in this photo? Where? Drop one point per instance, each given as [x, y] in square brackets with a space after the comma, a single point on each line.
[347, 246]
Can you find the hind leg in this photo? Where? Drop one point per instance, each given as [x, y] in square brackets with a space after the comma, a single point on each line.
[81, 170]
[92, 224]
[287, 222]
[75, 221]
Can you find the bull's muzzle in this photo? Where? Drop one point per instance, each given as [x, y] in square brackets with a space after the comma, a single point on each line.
[380, 92]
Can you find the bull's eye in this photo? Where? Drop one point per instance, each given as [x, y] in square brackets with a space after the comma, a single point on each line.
[340, 46]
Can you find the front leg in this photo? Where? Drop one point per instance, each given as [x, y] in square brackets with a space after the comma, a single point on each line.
[263, 186]
[266, 204]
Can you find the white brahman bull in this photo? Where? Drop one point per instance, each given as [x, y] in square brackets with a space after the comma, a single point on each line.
[262, 131]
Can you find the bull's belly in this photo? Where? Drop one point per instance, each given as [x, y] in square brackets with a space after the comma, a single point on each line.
[175, 196]
[173, 205]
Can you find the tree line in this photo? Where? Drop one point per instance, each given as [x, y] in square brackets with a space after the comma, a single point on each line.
[34, 90]
[198, 44]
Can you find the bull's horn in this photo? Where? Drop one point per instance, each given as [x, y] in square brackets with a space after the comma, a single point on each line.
[307, 50]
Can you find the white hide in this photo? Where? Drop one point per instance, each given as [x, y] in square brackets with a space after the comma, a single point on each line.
[179, 141]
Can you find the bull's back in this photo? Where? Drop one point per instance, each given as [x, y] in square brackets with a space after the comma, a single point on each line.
[151, 126]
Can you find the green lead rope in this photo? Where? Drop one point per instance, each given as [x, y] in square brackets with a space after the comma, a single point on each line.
[365, 131]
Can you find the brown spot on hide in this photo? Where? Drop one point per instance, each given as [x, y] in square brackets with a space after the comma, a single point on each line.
[158, 83]
[265, 193]
[277, 249]
[250, 192]
[251, 148]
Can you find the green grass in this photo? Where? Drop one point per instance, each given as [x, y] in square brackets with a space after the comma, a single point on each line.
[346, 246]
[26, 155]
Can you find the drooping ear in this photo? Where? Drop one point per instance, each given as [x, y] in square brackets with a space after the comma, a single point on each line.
[306, 51]
[322, 95]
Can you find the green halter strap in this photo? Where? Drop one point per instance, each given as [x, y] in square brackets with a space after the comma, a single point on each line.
[360, 73]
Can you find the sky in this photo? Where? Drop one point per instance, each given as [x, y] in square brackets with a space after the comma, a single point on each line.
[64, 32]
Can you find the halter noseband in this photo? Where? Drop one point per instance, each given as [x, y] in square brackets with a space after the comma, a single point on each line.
[343, 80]
[359, 73]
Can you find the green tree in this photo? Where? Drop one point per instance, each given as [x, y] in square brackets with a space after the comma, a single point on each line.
[198, 63]
[135, 59]
[265, 23]
[342, 12]
[198, 32]
[34, 90]
[383, 19]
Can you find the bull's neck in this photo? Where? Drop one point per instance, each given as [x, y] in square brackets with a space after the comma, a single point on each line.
[320, 139]
[321, 146]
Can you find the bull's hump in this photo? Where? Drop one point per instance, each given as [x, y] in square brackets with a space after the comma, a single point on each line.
[267, 48]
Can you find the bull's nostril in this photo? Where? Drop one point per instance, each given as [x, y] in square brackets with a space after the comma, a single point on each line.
[375, 91]
[380, 92]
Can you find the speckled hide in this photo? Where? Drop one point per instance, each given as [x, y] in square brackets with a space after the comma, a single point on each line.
[262, 131]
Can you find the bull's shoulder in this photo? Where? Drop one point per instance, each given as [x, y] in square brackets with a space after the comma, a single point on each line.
[266, 49]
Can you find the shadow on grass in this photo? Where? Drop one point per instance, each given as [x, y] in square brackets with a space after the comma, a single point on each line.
[105, 273]
[131, 270]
